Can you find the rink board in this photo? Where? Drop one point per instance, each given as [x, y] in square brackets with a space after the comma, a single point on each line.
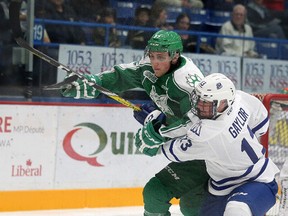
[71, 156]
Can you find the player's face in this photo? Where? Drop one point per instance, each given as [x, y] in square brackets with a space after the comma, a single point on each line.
[161, 62]
[205, 109]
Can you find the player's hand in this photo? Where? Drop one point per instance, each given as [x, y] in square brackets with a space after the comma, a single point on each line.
[148, 113]
[82, 88]
[148, 140]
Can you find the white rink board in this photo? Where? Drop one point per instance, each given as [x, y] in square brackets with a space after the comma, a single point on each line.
[50, 163]
[121, 168]
[262, 76]
[28, 146]
[228, 65]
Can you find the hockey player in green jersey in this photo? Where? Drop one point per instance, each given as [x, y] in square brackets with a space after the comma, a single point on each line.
[168, 78]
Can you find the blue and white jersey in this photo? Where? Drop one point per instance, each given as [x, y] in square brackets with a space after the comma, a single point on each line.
[229, 146]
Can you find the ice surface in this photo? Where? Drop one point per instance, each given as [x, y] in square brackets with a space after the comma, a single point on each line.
[119, 211]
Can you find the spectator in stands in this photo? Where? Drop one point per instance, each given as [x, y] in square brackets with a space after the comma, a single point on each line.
[263, 22]
[137, 39]
[5, 43]
[58, 10]
[40, 8]
[219, 5]
[108, 16]
[236, 27]
[243, 2]
[223, 5]
[23, 18]
[190, 4]
[46, 74]
[89, 10]
[5, 33]
[277, 8]
[190, 41]
[181, 3]
[158, 17]
[276, 5]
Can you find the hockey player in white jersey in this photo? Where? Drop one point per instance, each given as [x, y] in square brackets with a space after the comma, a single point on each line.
[225, 134]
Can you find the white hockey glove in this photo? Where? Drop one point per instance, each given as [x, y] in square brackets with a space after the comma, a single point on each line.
[82, 88]
[148, 140]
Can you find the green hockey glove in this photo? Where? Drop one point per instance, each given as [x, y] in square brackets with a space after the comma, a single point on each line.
[148, 140]
[82, 88]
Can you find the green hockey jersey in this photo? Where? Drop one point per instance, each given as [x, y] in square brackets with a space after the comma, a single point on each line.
[171, 92]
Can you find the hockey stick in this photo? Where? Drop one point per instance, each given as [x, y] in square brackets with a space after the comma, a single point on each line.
[14, 9]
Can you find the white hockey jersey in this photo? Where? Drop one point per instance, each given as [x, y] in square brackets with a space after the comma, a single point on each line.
[229, 145]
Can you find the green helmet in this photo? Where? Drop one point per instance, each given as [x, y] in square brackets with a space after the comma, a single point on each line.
[165, 41]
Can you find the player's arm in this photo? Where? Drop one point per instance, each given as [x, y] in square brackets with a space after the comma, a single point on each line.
[179, 149]
[176, 129]
[148, 140]
[120, 78]
[185, 148]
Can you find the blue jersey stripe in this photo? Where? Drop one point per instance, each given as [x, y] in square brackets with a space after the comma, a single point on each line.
[164, 152]
[171, 151]
[258, 127]
[219, 188]
[223, 181]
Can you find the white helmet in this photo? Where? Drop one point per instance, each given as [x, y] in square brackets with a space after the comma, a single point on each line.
[214, 88]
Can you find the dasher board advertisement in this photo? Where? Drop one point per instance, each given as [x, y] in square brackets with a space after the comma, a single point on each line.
[64, 147]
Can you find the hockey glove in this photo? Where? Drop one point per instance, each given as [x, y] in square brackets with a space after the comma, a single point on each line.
[82, 88]
[148, 140]
[148, 113]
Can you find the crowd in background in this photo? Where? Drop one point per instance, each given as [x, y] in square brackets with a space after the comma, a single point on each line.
[266, 18]
[247, 18]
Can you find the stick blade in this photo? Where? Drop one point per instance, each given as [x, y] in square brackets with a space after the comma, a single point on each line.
[62, 85]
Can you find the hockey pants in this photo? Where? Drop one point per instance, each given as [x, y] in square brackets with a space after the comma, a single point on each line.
[186, 180]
